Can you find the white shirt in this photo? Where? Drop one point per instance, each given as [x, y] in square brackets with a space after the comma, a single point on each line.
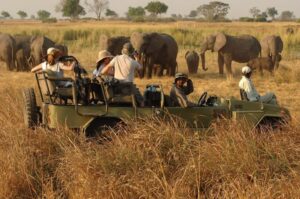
[247, 85]
[97, 73]
[57, 68]
[124, 67]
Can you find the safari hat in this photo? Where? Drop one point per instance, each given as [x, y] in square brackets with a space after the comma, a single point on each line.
[103, 54]
[180, 75]
[127, 49]
[246, 70]
[52, 51]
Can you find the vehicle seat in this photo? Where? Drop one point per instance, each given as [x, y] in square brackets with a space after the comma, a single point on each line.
[243, 95]
[153, 96]
[120, 93]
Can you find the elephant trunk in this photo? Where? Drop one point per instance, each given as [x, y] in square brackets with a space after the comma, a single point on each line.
[202, 55]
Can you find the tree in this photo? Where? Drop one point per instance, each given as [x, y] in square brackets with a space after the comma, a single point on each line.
[156, 8]
[22, 14]
[287, 16]
[254, 12]
[70, 8]
[272, 12]
[215, 10]
[97, 7]
[5, 14]
[193, 14]
[134, 12]
[111, 13]
[43, 14]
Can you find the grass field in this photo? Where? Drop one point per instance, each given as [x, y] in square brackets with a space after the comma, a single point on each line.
[151, 159]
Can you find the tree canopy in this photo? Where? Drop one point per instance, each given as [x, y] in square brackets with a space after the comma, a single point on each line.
[156, 8]
[43, 14]
[287, 15]
[213, 11]
[70, 8]
[135, 12]
[97, 7]
[5, 14]
[111, 13]
[272, 12]
[255, 12]
[22, 14]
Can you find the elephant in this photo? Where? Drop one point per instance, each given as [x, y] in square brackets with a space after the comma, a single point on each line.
[192, 60]
[272, 46]
[62, 48]
[21, 61]
[156, 49]
[23, 43]
[38, 48]
[8, 51]
[262, 63]
[113, 45]
[230, 48]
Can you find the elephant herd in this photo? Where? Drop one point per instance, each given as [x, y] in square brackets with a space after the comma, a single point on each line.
[242, 49]
[22, 52]
[158, 51]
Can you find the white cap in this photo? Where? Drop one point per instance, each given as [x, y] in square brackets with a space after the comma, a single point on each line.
[52, 51]
[246, 70]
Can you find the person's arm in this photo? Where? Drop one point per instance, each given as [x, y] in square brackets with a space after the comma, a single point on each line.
[106, 69]
[189, 88]
[37, 68]
[67, 67]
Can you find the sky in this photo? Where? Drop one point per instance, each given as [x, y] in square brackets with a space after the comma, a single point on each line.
[238, 8]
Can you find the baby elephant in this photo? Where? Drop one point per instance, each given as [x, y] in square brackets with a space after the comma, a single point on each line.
[192, 60]
[263, 63]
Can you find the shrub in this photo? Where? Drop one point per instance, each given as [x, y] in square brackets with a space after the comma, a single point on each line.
[246, 19]
[50, 20]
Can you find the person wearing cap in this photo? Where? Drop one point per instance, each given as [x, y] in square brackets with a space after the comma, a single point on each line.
[247, 85]
[179, 91]
[124, 68]
[104, 57]
[52, 64]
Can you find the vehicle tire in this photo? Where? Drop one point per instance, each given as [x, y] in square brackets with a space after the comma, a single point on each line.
[30, 113]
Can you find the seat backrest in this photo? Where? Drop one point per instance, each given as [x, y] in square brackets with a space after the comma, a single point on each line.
[120, 92]
[243, 95]
[154, 96]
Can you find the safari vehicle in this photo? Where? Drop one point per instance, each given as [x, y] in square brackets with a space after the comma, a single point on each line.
[79, 107]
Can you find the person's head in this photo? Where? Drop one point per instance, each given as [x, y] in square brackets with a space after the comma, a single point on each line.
[127, 49]
[52, 54]
[103, 57]
[180, 79]
[246, 71]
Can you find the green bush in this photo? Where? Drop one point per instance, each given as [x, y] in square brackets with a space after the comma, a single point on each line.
[246, 19]
[50, 20]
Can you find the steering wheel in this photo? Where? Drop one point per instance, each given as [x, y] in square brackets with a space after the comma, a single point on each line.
[202, 99]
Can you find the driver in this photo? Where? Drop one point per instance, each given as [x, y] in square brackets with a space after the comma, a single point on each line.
[246, 84]
[53, 64]
[179, 91]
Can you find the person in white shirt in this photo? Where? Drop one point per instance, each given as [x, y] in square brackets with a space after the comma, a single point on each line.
[104, 57]
[247, 85]
[124, 67]
[52, 64]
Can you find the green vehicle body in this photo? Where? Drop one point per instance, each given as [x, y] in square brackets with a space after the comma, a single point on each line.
[76, 115]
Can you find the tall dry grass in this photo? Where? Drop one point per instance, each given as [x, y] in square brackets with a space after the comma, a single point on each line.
[153, 159]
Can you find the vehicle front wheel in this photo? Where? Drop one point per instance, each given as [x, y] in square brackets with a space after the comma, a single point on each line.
[30, 111]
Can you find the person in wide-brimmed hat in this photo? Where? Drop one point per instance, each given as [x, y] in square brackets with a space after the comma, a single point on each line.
[104, 58]
[179, 91]
[247, 86]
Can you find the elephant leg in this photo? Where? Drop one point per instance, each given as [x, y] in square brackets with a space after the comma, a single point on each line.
[172, 69]
[221, 64]
[227, 61]
[149, 67]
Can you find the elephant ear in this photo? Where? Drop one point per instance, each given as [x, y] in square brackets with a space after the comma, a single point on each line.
[187, 52]
[156, 43]
[280, 43]
[135, 39]
[220, 42]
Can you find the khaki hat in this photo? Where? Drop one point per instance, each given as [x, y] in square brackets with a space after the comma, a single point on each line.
[103, 54]
[246, 70]
[180, 75]
[127, 49]
[52, 51]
